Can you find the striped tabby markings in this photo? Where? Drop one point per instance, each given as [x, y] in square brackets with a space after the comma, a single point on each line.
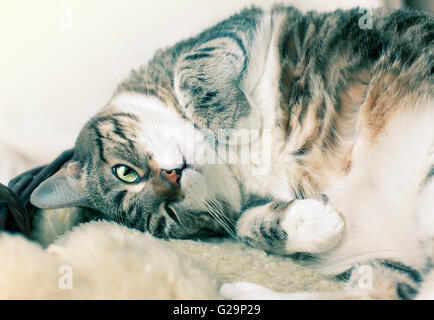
[110, 127]
[332, 132]
[381, 104]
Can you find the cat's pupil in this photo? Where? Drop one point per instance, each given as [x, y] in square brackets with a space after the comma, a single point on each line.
[127, 171]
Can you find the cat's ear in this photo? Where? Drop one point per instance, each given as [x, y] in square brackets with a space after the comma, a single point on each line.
[66, 188]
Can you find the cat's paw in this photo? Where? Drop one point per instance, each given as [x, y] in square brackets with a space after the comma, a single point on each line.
[312, 226]
[246, 291]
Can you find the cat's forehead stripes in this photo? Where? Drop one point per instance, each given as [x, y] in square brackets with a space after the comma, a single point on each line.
[98, 141]
[115, 138]
[117, 115]
[153, 88]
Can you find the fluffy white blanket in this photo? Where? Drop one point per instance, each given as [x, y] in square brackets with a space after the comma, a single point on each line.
[104, 260]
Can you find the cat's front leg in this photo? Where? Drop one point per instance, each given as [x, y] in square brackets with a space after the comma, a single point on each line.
[289, 227]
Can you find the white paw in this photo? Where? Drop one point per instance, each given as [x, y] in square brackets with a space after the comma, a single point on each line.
[312, 226]
[246, 291]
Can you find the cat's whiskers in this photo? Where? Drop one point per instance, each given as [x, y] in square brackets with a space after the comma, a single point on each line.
[214, 209]
[122, 88]
[119, 217]
[178, 219]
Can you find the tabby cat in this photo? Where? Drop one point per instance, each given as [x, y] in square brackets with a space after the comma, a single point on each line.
[304, 134]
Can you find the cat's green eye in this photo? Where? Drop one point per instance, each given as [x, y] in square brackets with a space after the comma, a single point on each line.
[126, 174]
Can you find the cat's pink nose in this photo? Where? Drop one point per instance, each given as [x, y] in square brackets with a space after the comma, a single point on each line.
[172, 176]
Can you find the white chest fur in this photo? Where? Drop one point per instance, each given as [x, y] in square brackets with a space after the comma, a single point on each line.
[268, 167]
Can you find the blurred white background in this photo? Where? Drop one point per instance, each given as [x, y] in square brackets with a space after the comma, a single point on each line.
[61, 60]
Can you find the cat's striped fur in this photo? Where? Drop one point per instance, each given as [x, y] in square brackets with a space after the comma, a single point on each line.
[343, 120]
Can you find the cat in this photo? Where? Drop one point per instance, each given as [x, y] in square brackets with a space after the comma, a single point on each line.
[308, 135]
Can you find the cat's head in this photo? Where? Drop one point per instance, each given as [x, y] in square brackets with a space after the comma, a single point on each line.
[139, 163]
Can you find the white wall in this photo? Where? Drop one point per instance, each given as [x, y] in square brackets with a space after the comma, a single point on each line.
[61, 60]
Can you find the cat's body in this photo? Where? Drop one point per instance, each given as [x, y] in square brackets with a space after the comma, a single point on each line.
[337, 117]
